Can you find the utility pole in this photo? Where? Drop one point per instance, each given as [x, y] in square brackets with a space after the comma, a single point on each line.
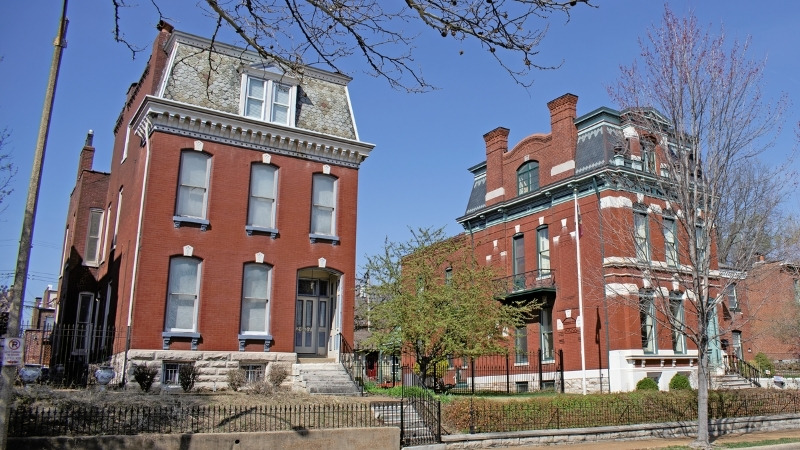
[26, 236]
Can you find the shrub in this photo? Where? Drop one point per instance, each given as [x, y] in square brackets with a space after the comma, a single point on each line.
[679, 382]
[187, 375]
[277, 375]
[236, 379]
[763, 362]
[260, 387]
[647, 384]
[144, 376]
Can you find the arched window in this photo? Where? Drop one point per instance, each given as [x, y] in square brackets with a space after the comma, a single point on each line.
[528, 177]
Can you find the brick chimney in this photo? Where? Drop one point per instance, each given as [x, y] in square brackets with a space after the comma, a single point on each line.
[87, 154]
[563, 112]
[496, 146]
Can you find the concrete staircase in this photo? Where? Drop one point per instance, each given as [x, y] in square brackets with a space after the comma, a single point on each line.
[328, 378]
[730, 381]
[414, 429]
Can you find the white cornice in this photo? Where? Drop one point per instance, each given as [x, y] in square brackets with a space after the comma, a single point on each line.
[201, 123]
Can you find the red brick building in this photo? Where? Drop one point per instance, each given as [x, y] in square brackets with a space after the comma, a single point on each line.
[227, 225]
[770, 296]
[591, 187]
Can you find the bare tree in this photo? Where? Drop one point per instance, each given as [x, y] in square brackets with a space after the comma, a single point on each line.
[699, 99]
[7, 170]
[295, 33]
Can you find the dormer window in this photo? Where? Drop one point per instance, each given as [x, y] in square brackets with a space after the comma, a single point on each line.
[269, 100]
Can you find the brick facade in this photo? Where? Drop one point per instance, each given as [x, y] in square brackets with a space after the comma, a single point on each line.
[172, 112]
[586, 161]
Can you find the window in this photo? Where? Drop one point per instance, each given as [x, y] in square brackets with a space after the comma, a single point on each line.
[546, 333]
[170, 372]
[700, 246]
[193, 184]
[269, 100]
[105, 236]
[255, 288]
[647, 315]
[323, 205]
[261, 210]
[648, 155]
[116, 220]
[253, 372]
[93, 233]
[184, 282]
[677, 322]
[797, 290]
[518, 247]
[733, 300]
[737, 344]
[642, 236]
[670, 242]
[528, 177]
[543, 251]
[521, 345]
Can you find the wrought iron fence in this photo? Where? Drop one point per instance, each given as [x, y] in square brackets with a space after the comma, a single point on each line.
[420, 413]
[84, 421]
[507, 373]
[484, 416]
[65, 352]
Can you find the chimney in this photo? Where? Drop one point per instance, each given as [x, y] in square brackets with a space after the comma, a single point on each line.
[563, 112]
[496, 146]
[87, 154]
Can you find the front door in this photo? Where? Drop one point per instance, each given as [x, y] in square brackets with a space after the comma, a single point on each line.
[312, 316]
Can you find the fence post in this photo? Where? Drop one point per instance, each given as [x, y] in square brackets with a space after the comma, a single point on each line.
[472, 369]
[539, 361]
[508, 377]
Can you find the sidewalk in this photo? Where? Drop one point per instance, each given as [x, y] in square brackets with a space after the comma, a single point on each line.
[662, 443]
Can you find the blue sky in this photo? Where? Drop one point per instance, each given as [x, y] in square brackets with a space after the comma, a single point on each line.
[417, 175]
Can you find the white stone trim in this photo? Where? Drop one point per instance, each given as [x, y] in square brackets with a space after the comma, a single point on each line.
[563, 167]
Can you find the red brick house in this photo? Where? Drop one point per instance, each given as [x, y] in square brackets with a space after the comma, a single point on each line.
[227, 227]
[770, 297]
[591, 188]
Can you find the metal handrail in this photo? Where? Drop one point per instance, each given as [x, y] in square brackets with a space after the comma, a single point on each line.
[348, 360]
[744, 369]
[533, 279]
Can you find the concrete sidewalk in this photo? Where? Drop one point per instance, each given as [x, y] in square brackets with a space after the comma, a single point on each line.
[662, 443]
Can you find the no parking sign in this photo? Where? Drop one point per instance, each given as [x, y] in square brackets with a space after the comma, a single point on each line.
[12, 352]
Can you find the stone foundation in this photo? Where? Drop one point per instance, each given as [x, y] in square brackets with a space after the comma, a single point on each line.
[212, 367]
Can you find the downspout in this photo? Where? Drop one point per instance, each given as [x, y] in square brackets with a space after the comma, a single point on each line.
[603, 277]
[580, 288]
[144, 130]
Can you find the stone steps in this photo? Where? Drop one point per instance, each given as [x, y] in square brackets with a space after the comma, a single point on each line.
[414, 428]
[328, 378]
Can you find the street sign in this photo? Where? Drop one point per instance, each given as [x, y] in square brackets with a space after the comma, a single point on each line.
[12, 352]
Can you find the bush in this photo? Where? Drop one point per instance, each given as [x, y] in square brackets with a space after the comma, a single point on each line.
[144, 375]
[187, 375]
[236, 379]
[277, 375]
[763, 362]
[647, 384]
[679, 382]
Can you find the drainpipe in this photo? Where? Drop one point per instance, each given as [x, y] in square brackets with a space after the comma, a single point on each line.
[144, 129]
